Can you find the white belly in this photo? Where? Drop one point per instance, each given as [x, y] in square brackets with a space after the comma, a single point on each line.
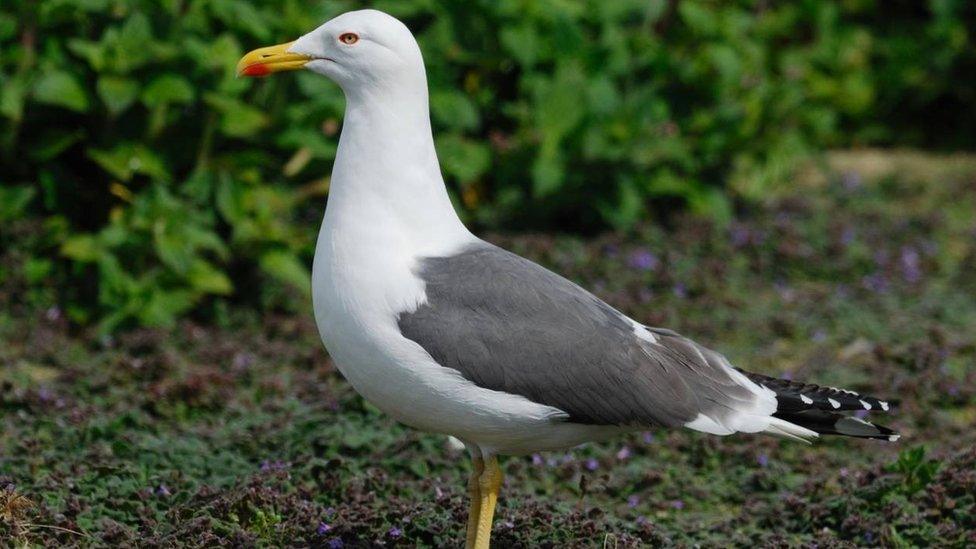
[358, 292]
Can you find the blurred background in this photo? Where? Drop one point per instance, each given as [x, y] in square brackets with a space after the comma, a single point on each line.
[143, 182]
[791, 182]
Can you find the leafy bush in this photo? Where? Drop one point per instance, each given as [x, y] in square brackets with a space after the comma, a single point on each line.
[164, 181]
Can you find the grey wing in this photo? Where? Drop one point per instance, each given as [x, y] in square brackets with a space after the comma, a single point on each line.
[510, 325]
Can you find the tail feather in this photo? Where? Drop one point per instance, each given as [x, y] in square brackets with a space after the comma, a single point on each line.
[820, 409]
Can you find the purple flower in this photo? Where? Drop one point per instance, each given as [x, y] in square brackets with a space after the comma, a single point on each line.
[680, 290]
[848, 235]
[623, 453]
[910, 265]
[323, 529]
[677, 504]
[592, 464]
[276, 465]
[647, 437]
[641, 520]
[819, 336]
[740, 236]
[762, 460]
[875, 282]
[162, 490]
[643, 260]
[53, 314]
[335, 544]
[537, 460]
[632, 501]
[395, 532]
[851, 181]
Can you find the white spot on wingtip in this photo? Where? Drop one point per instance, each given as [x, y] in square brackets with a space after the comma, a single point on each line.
[884, 405]
[866, 405]
[893, 438]
[833, 403]
[806, 400]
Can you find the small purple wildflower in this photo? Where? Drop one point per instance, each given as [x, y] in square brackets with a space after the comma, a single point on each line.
[592, 464]
[869, 538]
[910, 265]
[677, 504]
[819, 336]
[623, 453]
[45, 395]
[848, 236]
[537, 460]
[762, 460]
[643, 260]
[647, 437]
[740, 236]
[851, 181]
[323, 529]
[953, 390]
[641, 520]
[395, 532]
[162, 490]
[680, 290]
[875, 282]
[53, 314]
[633, 501]
[276, 465]
[335, 544]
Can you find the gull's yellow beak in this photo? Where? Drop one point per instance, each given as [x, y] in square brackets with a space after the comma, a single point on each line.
[264, 61]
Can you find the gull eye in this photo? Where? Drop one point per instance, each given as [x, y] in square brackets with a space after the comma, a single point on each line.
[349, 38]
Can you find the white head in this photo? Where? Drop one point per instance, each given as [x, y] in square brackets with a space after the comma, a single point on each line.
[362, 51]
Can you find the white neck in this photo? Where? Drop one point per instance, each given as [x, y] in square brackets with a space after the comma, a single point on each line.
[386, 172]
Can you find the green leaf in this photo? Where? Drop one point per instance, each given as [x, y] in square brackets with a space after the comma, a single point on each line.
[167, 89]
[117, 93]
[12, 91]
[285, 267]
[463, 159]
[127, 160]
[454, 110]
[237, 118]
[81, 247]
[61, 89]
[208, 279]
[14, 201]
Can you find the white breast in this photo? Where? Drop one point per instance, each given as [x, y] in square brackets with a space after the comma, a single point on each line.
[361, 281]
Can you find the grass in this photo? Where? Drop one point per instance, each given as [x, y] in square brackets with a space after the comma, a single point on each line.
[243, 434]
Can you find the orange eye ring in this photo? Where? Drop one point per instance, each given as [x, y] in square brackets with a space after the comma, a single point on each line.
[349, 38]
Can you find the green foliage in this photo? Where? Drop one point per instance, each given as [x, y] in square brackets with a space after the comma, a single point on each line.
[916, 471]
[168, 183]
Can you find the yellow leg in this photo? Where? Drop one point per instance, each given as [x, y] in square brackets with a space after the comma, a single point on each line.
[489, 485]
[474, 492]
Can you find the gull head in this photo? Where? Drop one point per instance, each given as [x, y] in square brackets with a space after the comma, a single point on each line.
[359, 50]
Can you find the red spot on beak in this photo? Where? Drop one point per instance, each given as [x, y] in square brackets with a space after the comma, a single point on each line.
[258, 69]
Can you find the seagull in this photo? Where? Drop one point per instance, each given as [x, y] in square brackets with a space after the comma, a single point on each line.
[450, 334]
